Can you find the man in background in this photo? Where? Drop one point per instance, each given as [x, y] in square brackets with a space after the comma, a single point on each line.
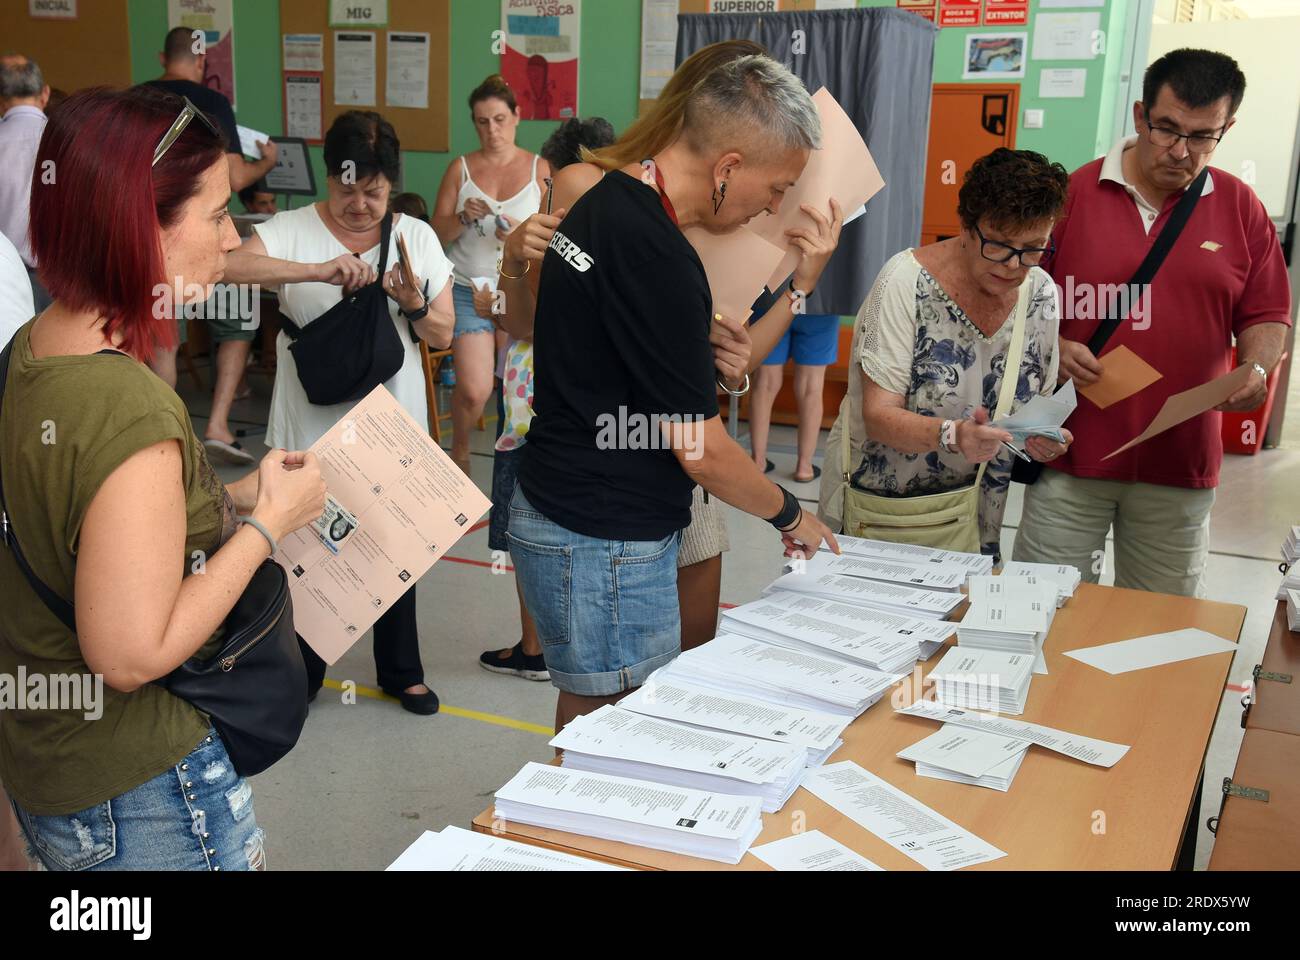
[23, 97]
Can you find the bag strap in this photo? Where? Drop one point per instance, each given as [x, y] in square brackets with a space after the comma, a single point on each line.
[55, 603]
[1011, 367]
[1150, 266]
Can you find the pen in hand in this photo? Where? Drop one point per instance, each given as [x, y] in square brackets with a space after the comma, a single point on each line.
[1022, 455]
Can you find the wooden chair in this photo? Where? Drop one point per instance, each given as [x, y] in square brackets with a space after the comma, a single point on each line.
[432, 360]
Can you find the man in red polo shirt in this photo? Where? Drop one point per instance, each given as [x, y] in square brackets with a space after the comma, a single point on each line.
[1224, 277]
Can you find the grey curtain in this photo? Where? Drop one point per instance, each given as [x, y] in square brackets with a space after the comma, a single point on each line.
[879, 64]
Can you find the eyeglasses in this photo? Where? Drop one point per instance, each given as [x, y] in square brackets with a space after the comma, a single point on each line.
[188, 113]
[1198, 143]
[1000, 252]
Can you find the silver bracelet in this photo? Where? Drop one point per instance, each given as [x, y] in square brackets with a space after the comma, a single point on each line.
[257, 525]
[735, 393]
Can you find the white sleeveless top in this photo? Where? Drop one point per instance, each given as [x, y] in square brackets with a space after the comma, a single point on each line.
[476, 251]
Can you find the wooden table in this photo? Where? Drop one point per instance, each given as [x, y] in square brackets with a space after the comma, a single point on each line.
[1277, 704]
[1060, 813]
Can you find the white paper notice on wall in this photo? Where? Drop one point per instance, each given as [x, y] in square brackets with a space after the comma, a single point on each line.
[1068, 82]
[52, 9]
[1068, 36]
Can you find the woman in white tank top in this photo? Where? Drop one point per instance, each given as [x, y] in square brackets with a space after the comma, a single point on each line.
[484, 195]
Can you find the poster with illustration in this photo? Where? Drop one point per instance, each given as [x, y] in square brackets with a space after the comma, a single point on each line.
[216, 19]
[539, 58]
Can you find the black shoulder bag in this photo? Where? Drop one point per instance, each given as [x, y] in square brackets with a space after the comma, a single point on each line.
[254, 690]
[1028, 472]
[353, 346]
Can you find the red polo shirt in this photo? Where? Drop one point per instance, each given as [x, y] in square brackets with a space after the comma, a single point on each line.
[1225, 273]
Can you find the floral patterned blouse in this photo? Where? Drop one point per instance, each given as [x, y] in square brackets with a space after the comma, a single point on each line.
[917, 342]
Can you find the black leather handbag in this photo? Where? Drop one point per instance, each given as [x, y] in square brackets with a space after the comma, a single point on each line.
[1028, 472]
[353, 346]
[255, 689]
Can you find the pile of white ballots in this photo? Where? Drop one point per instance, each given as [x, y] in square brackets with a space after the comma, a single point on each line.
[622, 743]
[694, 823]
[1293, 610]
[1010, 615]
[456, 850]
[1064, 576]
[967, 756]
[983, 680]
[1291, 545]
[792, 678]
[882, 641]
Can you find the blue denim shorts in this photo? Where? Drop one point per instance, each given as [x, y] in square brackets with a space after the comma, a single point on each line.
[606, 610]
[197, 815]
[467, 319]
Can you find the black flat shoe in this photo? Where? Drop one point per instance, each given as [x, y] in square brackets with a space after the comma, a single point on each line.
[423, 704]
[770, 467]
[817, 472]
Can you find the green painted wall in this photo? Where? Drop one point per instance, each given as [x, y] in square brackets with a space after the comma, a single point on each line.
[1075, 130]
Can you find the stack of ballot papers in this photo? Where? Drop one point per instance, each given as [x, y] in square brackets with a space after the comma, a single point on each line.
[690, 822]
[882, 641]
[890, 597]
[1065, 576]
[1040, 417]
[1291, 581]
[456, 850]
[1291, 545]
[661, 696]
[792, 678]
[948, 577]
[983, 679]
[626, 744]
[968, 756]
[1010, 614]
[1293, 610]
[911, 553]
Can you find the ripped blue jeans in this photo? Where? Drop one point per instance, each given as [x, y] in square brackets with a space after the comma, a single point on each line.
[197, 815]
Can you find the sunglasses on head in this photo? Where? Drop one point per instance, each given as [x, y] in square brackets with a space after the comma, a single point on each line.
[188, 113]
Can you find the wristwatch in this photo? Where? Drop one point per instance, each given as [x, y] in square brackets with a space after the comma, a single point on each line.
[1260, 370]
[415, 316]
[948, 435]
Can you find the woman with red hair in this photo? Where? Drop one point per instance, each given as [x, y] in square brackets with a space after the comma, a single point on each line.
[110, 496]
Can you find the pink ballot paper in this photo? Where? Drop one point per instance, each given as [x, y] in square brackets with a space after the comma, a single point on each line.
[842, 169]
[1190, 403]
[737, 265]
[411, 504]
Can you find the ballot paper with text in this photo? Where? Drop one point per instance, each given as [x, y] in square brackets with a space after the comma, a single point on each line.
[622, 743]
[906, 824]
[1101, 753]
[662, 696]
[1040, 417]
[911, 553]
[890, 597]
[693, 823]
[1064, 575]
[931, 576]
[811, 852]
[998, 778]
[413, 505]
[882, 641]
[983, 679]
[784, 676]
[456, 850]
[963, 750]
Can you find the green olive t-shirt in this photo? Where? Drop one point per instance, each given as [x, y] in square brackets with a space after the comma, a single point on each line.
[66, 424]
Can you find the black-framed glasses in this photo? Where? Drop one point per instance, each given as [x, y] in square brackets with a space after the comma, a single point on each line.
[999, 252]
[1198, 143]
[188, 113]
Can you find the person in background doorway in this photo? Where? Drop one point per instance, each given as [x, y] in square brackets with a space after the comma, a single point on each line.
[258, 201]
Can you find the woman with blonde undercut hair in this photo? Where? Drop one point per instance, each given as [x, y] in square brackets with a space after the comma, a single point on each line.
[738, 350]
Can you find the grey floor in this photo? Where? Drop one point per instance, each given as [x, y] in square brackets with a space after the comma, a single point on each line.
[367, 778]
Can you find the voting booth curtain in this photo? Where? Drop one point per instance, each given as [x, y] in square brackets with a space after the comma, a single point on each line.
[878, 63]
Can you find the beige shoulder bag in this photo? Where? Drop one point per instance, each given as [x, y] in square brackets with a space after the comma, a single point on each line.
[950, 520]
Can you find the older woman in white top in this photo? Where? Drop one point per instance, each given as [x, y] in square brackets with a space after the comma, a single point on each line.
[484, 195]
[318, 254]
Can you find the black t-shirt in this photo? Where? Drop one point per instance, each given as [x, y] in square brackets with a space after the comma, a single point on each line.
[216, 106]
[621, 341]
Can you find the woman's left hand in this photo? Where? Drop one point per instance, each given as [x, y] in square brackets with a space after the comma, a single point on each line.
[817, 243]
[732, 347]
[484, 301]
[1044, 450]
[408, 295]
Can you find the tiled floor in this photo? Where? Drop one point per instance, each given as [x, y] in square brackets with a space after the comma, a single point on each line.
[367, 777]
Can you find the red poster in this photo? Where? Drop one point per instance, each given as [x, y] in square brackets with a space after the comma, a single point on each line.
[959, 13]
[1006, 13]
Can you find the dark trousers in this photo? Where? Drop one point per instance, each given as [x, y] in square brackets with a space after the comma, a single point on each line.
[397, 650]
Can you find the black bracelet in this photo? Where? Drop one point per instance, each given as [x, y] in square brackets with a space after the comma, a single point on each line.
[790, 514]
